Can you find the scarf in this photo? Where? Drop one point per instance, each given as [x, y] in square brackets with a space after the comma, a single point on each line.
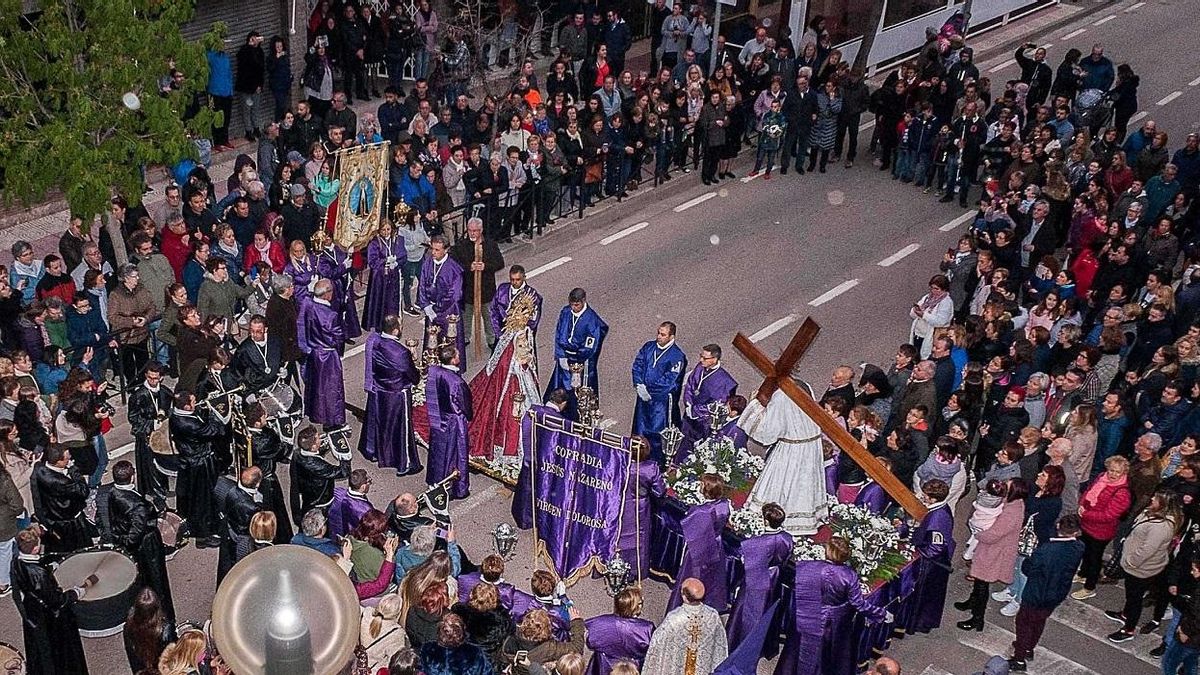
[934, 468]
[1092, 496]
[932, 299]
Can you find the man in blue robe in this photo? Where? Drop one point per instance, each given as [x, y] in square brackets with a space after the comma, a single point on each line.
[448, 400]
[658, 380]
[322, 338]
[440, 294]
[578, 339]
[708, 383]
[509, 291]
[387, 435]
[335, 264]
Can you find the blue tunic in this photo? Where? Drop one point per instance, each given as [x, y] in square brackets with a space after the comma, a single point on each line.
[578, 340]
[661, 370]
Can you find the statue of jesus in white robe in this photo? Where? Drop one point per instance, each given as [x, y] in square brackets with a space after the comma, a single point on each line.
[794, 476]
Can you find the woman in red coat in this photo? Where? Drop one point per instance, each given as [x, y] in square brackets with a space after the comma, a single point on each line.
[265, 249]
[1100, 510]
[996, 553]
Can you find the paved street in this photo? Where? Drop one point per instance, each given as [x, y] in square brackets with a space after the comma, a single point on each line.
[851, 248]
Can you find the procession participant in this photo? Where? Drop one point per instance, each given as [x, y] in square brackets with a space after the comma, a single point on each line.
[404, 516]
[645, 482]
[313, 478]
[448, 400]
[193, 438]
[387, 435]
[578, 339]
[491, 261]
[322, 339]
[440, 293]
[337, 266]
[658, 380]
[730, 428]
[350, 504]
[827, 599]
[509, 291]
[148, 408]
[385, 257]
[133, 522]
[258, 361]
[704, 555]
[622, 635]
[708, 383]
[491, 571]
[239, 506]
[690, 637]
[212, 388]
[763, 556]
[933, 539]
[52, 642]
[266, 451]
[283, 319]
[302, 268]
[60, 495]
[522, 504]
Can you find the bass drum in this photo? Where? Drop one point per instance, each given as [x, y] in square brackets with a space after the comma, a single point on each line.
[100, 613]
[169, 527]
[12, 661]
[279, 399]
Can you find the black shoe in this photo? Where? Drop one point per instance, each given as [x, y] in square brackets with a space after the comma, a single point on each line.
[947, 198]
[971, 624]
[963, 605]
[783, 171]
[799, 171]
[1115, 616]
[1120, 636]
[1158, 651]
[1016, 665]
[1150, 626]
[822, 169]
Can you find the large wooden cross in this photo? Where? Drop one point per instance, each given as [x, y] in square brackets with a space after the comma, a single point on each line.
[779, 376]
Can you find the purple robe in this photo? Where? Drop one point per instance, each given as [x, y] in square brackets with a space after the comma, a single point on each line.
[504, 297]
[733, 432]
[302, 273]
[467, 582]
[613, 638]
[704, 555]
[523, 603]
[448, 400]
[831, 474]
[934, 541]
[826, 598]
[633, 540]
[874, 498]
[321, 339]
[387, 435]
[441, 288]
[345, 511]
[384, 286]
[703, 386]
[578, 340]
[762, 556]
[334, 264]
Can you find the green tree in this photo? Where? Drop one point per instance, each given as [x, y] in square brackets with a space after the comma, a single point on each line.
[84, 102]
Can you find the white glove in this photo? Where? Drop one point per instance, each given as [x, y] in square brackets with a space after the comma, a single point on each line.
[312, 283]
[349, 262]
[642, 392]
[429, 313]
[562, 363]
[890, 618]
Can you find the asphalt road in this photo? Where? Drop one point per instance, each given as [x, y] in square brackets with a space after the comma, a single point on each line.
[851, 248]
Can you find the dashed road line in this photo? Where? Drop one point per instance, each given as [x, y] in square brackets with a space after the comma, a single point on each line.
[1169, 97]
[898, 255]
[1001, 66]
[1076, 32]
[1194, 82]
[773, 328]
[930, 670]
[624, 233]
[750, 177]
[1101, 22]
[1048, 45]
[355, 351]
[1138, 116]
[694, 202]
[547, 267]
[964, 218]
[1133, 8]
[833, 293]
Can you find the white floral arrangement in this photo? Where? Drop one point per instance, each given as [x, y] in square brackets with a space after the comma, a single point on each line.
[874, 543]
[503, 468]
[747, 522]
[738, 467]
[804, 548]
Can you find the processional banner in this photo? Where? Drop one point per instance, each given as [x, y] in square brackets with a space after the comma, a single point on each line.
[360, 198]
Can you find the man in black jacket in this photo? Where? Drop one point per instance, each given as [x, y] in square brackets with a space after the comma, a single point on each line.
[148, 408]
[1035, 73]
[970, 133]
[300, 217]
[251, 71]
[491, 261]
[313, 477]
[134, 526]
[800, 111]
[1049, 572]
[59, 497]
[52, 642]
[258, 361]
[353, 42]
[240, 505]
[194, 438]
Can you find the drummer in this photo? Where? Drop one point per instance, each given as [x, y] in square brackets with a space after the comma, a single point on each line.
[52, 642]
[133, 522]
[258, 361]
[148, 408]
[213, 385]
[60, 495]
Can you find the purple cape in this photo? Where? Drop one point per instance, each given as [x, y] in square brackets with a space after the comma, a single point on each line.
[762, 556]
[874, 498]
[301, 274]
[442, 289]
[826, 598]
[345, 511]
[704, 557]
[384, 289]
[703, 386]
[331, 264]
[633, 540]
[387, 435]
[523, 603]
[934, 540]
[467, 582]
[613, 638]
[504, 297]
[661, 372]
[448, 400]
[322, 339]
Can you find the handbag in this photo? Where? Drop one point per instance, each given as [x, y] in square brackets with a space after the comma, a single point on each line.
[1028, 539]
[1112, 569]
[593, 173]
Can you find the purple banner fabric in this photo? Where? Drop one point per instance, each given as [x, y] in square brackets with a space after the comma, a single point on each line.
[578, 478]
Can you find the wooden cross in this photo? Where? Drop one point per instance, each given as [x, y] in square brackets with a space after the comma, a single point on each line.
[779, 376]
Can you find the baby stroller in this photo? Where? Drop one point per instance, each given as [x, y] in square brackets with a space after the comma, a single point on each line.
[1093, 109]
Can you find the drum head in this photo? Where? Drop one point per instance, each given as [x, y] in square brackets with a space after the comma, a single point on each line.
[114, 569]
[278, 399]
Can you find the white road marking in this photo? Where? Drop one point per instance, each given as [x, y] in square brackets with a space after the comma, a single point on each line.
[774, 328]
[1077, 31]
[751, 177]
[898, 255]
[1169, 97]
[1048, 45]
[123, 450]
[994, 640]
[1091, 621]
[930, 670]
[624, 233]
[964, 218]
[478, 498]
[1133, 7]
[1101, 22]
[832, 293]
[866, 125]
[1001, 66]
[693, 202]
[1138, 116]
[356, 351]
[1194, 82]
[606, 423]
[547, 267]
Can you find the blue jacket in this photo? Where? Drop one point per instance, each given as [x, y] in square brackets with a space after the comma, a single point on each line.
[922, 133]
[320, 545]
[220, 74]
[1167, 420]
[193, 276]
[86, 330]
[1110, 438]
[1050, 570]
[416, 193]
